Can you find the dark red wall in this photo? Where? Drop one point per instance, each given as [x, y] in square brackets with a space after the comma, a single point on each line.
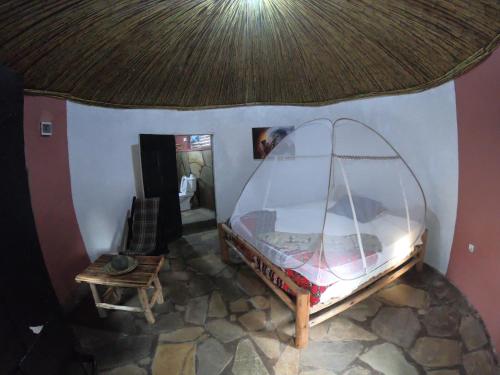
[478, 216]
[50, 188]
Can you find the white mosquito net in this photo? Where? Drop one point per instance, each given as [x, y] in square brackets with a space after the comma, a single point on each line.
[332, 201]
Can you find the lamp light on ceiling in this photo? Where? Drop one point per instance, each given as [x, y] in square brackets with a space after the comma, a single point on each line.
[253, 3]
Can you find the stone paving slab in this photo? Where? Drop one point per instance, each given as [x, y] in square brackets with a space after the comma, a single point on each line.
[250, 283]
[182, 335]
[288, 363]
[164, 323]
[123, 350]
[268, 343]
[122, 321]
[224, 331]
[168, 277]
[176, 264]
[341, 329]
[443, 372]
[247, 360]
[126, 370]
[398, 325]
[472, 333]
[176, 292]
[217, 306]
[442, 321]
[434, 352]
[280, 313]
[196, 311]
[317, 372]
[212, 358]
[358, 370]
[208, 264]
[389, 360]
[363, 310]
[334, 356]
[238, 306]
[253, 320]
[199, 286]
[479, 363]
[228, 288]
[178, 359]
[404, 295]
[260, 302]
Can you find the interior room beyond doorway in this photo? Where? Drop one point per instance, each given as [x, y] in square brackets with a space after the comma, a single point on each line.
[196, 181]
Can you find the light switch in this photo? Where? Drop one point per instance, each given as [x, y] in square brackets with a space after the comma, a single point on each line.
[46, 128]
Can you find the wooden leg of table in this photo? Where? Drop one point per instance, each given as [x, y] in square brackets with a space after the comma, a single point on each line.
[158, 289]
[224, 249]
[420, 265]
[302, 320]
[143, 297]
[97, 299]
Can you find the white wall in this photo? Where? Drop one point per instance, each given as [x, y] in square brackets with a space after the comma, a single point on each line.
[421, 126]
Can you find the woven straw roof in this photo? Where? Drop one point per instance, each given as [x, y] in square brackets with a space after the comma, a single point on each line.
[205, 53]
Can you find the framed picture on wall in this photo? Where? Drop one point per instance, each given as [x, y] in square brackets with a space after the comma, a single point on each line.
[266, 139]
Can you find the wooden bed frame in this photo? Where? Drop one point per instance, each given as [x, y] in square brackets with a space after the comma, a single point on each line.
[307, 316]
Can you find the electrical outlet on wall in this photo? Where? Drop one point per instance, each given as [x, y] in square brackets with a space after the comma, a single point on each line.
[471, 247]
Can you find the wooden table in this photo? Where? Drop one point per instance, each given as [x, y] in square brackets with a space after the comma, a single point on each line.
[143, 277]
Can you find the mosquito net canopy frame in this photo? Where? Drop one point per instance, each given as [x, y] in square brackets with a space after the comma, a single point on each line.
[332, 201]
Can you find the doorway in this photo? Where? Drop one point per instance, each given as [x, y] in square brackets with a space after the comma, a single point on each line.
[195, 178]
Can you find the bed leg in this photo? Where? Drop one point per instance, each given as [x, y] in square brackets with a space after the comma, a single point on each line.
[420, 265]
[224, 249]
[302, 320]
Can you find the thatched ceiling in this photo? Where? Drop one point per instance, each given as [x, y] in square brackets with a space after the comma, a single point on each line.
[199, 53]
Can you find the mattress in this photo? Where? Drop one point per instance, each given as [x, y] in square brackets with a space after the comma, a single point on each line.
[324, 266]
[344, 288]
[318, 293]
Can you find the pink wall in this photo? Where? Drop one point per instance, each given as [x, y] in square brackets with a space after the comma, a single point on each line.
[477, 275]
[50, 188]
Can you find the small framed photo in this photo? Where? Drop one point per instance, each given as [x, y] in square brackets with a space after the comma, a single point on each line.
[46, 129]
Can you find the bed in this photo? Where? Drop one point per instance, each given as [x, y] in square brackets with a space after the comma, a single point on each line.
[311, 303]
[330, 216]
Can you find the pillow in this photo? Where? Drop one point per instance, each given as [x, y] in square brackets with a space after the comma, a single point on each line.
[366, 209]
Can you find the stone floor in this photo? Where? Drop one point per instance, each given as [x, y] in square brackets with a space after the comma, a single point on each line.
[197, 214]
[220, 319]
[198, 220]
